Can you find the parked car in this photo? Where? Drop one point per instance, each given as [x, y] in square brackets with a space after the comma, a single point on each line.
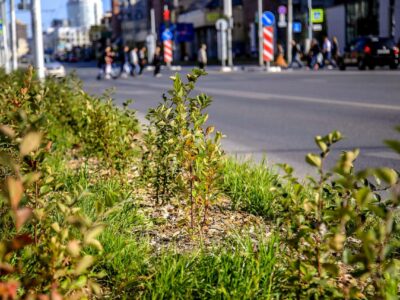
[369, 51]
[53, 68]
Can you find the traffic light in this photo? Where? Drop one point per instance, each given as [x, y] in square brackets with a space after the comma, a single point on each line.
[166, 14]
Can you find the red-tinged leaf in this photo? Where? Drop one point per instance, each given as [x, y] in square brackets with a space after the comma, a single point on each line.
[55, 295]
[15, 191]
[8, 290]
[21, 241]
[21, 216]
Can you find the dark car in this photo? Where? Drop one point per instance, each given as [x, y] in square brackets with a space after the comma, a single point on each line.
[370, 52]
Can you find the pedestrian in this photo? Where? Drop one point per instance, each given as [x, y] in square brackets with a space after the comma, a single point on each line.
[280, 59]
[108, 59]
[142, 59]
[335, 49]
[157, 60]
[125, 65]
[100, 64]
[327, 52]
[134, 61]
[296, 55]
[315, 55]
[202, 56]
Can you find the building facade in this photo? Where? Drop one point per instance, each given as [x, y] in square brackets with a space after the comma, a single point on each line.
[349, 19]
[64, 38]
[84, 13]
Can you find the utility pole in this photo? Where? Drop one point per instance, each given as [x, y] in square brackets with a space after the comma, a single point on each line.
[289, 31]
[38, 38]
[228, 14]
[310, 33]
[260, 34]
[14, 50]
[4, 25]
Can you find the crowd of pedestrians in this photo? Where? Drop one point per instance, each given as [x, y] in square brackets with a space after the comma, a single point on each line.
[317, 57]
[113, 64]
[133, 61]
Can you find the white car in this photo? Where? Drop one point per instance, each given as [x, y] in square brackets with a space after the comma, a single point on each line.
[53, 68]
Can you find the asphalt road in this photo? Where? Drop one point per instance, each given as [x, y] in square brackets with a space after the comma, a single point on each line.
[277, 115]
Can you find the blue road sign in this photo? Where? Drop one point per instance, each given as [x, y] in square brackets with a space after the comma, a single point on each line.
[297, 27]
[268, 18]
[167, 35]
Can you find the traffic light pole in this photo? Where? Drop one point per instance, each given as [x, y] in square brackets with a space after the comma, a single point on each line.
[228, 14]
[38, 38]
[289, 31]
[260, 35]
[14, 49]
[310, 33]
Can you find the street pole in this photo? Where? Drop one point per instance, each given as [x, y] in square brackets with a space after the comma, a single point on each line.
[310, 33]
[260, 35]
[289, 31]
[14, 50]
[153, 28]
[6, 50]
[38, 38]
[228, 14]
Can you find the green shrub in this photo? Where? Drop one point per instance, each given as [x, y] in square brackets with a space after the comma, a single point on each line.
[181, 156]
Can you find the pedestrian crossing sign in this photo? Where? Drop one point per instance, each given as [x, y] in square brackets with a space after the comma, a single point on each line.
[317, 15]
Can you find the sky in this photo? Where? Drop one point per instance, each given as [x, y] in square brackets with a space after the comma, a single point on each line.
[51, 9]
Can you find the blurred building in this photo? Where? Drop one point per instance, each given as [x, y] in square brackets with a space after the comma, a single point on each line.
[62, 39]
[84, 13]
[22, 38]
[135, 20]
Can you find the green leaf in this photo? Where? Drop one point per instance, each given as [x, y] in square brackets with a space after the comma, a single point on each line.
[388, 175]
[314, 160]
[363, 196]
[320, 143]
[84, 264]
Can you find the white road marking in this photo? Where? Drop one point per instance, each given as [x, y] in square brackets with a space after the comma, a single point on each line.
[383, 154]
[273, 97]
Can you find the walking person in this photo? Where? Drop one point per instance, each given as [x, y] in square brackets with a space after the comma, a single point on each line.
[280, 59]
[202, 56]
[100, 64]
[125, 66]
[142, 59]
[315, 56]
[134, 61]
[157, 60]
[327, 52]
[108, 59]
[335, 49]
[296, 55]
